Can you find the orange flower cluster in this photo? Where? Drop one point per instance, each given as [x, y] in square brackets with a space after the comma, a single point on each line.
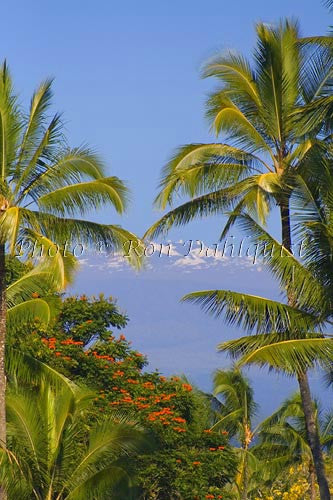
[71, 342]
[133, 388]
[167, 397]
[100, 356]
[142, 406]
[132, 381]
[148, 385]
[179, 420]
[179, 429]
[50, 343]
[160, 415]
[164, 416]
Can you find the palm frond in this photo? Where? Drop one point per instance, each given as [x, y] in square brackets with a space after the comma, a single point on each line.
[113, 480]
[38, 281]
[28, 370]
[70, 167]
[292, 356]
[284, 266]
[39, 104]
[9, 122]
[234, 70]
[252, 312]
[195, 167]
[27, 311]
[85, 196]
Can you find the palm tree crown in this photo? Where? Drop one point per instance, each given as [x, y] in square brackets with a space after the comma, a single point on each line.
[44, 183]
[52, 454]
[272, 113]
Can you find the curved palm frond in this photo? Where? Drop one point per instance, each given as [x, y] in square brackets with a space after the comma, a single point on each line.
[80, 198]
[292, 356]
[44, 427]
[27, 311]
[252, 312]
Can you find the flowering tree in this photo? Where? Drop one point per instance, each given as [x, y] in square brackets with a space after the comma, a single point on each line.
[189, 460]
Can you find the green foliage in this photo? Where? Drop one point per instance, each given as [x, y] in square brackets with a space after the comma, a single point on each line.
[52, 453]
[187, 472]
[82, 345]
[15, 269]
[272, 113]
[44, 183]
[87, 319]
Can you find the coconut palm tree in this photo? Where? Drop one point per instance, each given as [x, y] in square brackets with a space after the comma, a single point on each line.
[43, 184]
[289, 337]
[269, 114]
[235, 416]
[275, 114]
[53, 454]
[282, 441]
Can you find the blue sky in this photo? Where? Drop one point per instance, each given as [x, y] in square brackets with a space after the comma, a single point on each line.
[127, 79]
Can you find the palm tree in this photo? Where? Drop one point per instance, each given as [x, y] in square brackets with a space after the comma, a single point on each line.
[282, 441]
[53, 454]
[235, 416]
[274, 114]
[30, 296]
[269, 112]
[289, 337]
[43, 184]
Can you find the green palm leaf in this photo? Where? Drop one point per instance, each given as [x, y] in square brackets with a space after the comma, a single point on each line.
[252, 312]
[27, 311]
[292, 356]
[85, 196]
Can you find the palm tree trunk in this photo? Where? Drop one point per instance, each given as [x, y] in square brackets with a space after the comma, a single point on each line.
[312, 478]
[2, 353]
[313, 436]
[307, 404]
[245, 478]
